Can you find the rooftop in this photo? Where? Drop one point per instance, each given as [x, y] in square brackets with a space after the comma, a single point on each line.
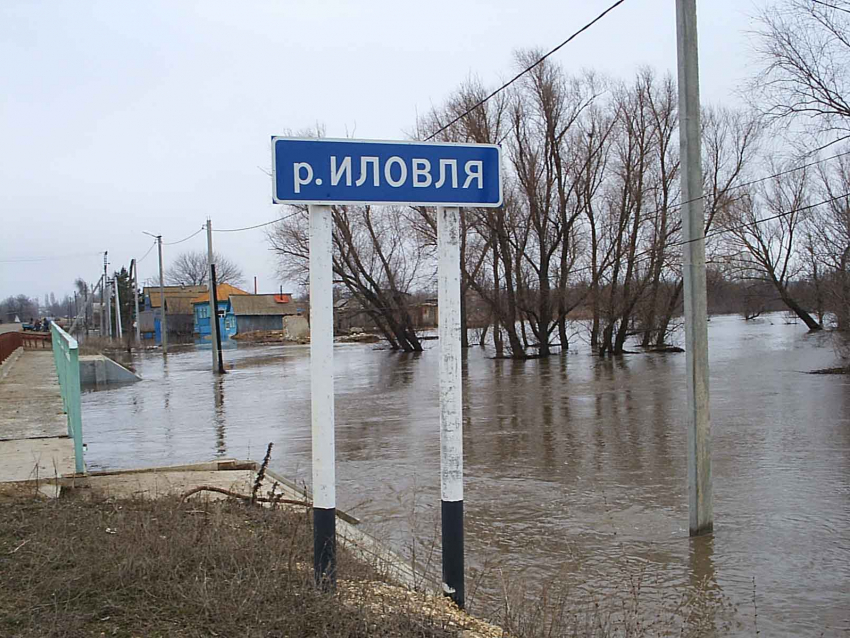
[263, 305]
[223, 293]
[178, 299]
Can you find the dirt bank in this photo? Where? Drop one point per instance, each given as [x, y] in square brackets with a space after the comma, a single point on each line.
[81, 567]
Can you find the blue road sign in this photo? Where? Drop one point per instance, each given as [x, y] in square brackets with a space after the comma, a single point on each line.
[326, 171]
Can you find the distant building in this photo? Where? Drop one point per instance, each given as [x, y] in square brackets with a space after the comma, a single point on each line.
[226, 320]
[352, 316]
[425, 314]
[260, 312]
[178, 308]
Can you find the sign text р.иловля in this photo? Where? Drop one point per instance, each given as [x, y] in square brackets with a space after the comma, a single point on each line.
[324, 171]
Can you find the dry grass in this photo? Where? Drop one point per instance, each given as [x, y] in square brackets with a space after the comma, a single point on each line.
[76, 567]
[165, 568]
[547, 610]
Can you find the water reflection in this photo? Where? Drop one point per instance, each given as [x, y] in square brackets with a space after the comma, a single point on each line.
[219, 419]
[575, 466]
[701, 576]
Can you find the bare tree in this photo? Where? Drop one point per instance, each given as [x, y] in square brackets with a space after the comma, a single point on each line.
[765, 231]
[805, 51]
[544, 112]
[376, 257]
[519, 259]
[20, 306]
[730, 142]
[191, 269]
[482, 124]
[828, 240]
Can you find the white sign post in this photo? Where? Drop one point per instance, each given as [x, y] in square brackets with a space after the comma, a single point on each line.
[451, 401]
[321, 173]
[322, 393]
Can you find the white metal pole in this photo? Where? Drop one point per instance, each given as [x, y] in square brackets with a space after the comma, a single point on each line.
[163, 323]
[118, 329]
[134, 266]
[213, 309]
[107, 284]
[693, 270]
[110, 331]
[103, 300]
[322, 394]
[102, 322]
[451, 402]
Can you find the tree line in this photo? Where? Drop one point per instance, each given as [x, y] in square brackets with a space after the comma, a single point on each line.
[589, 236]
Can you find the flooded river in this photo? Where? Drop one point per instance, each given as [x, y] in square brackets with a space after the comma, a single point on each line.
[575, 467]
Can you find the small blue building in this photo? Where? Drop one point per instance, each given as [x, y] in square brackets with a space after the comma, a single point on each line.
[226, 318]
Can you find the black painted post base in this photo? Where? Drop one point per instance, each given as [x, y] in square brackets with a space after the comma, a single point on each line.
[324, 546]
[452, 519]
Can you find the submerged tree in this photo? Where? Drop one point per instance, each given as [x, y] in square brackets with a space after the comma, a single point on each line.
[376, 257]
[764, 233]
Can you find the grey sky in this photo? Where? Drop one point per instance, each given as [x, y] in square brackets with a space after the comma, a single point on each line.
[120, 117]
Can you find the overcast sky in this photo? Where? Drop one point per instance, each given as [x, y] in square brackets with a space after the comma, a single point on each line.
[119, 117]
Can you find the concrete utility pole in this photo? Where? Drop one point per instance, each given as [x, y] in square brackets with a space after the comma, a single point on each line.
[109, 327]
[451, 403]
[693, 270]
[118, 329]
[213, 305]
[322, 394]
[163, 313]
[103, 298]
[134, 269]
[163, 323]
[220, 368]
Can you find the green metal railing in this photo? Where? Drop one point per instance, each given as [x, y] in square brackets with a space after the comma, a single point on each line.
[67, 359]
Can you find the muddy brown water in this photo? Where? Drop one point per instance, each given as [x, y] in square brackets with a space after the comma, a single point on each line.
[575, 467]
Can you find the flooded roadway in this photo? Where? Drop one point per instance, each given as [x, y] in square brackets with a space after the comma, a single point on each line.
[575, 467]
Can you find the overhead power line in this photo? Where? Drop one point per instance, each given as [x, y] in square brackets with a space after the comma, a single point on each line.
[174, 243]
[527, 69]
[678, 205]
[153, 245]
[801, 209]
[239, 230]
[642, 256]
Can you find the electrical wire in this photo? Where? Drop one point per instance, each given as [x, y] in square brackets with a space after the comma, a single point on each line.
[640, 257]
[174, 243]
[679, 205]
[764, 219]
[153, 245]
[526, 70]
[238, 230]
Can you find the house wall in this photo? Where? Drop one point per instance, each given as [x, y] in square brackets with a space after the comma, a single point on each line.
[181, 325]
[296, 328]
[226, 324]
[178, 326]
[252, 323]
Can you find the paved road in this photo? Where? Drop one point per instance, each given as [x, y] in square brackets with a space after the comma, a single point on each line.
[34, 442]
